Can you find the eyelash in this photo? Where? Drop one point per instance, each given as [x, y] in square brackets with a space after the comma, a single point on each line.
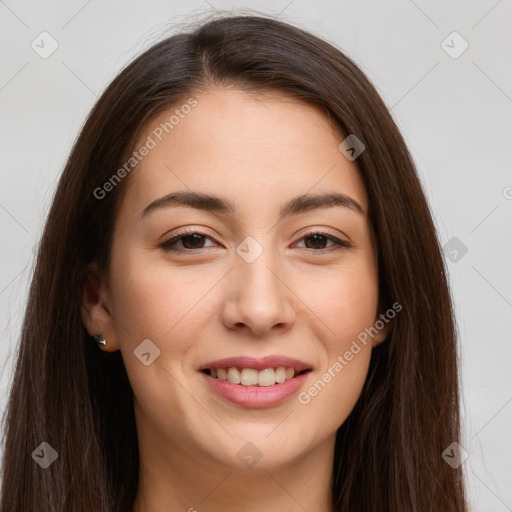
[167, 244]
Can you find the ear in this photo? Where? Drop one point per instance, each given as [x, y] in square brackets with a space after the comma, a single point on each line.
[384, 325]
[96, 311]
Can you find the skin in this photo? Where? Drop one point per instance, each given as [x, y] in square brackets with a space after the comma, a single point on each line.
[295, 299]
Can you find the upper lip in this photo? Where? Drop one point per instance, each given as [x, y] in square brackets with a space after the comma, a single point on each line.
[258, 363]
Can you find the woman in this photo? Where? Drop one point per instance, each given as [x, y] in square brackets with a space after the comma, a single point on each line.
[239, 300]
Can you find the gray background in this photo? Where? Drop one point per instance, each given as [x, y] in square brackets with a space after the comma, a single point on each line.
[455, 114]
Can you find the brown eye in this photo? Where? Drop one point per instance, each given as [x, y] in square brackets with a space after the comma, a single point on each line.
[186, 242]
[318, 241]
[193, 240]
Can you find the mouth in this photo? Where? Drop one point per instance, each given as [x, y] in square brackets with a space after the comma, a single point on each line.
[253, 388]
[250, 381]
[254, 377]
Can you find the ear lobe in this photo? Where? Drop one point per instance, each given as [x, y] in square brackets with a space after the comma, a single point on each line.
[95, 308]
[384, 327]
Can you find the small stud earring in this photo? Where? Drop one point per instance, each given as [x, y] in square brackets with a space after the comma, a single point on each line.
[99, 339]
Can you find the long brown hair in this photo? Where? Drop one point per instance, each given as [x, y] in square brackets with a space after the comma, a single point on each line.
[78, 399]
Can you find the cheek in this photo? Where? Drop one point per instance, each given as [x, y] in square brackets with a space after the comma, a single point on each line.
[348, 309]
[152, 299]
[346, 300]
[347, 304]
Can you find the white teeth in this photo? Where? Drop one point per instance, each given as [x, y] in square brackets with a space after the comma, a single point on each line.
[234, 375]
[280, 374]
[249, 377]
[252, 377]
[267, 377]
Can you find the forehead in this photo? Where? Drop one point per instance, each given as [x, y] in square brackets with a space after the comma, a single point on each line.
[247, 147]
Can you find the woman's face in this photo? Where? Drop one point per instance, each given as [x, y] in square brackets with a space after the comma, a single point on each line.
[253, 281]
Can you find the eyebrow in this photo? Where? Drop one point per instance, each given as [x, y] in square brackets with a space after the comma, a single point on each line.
[211, 203]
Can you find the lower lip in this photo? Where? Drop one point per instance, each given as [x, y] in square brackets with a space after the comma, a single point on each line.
[256, 396]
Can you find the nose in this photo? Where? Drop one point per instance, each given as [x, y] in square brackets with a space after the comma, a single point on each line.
[259, 299]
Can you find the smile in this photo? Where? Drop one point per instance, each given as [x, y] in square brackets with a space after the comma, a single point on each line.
[254, 377]
[248, 394]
